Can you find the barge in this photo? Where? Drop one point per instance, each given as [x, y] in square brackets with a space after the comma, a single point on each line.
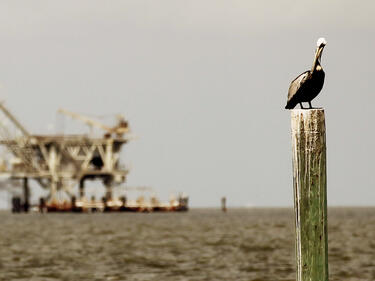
[120, 205]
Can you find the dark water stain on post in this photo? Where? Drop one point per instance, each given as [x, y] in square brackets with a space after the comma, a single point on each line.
[310, 193]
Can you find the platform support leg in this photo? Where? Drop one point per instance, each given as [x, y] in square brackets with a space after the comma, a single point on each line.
[26, 195]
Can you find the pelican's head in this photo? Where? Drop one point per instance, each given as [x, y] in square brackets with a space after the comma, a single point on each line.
[321, 42]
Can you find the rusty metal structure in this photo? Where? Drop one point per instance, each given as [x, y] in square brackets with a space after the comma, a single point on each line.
[58, 163]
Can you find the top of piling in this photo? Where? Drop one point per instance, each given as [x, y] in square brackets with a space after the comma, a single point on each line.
[312, 120]
[307, 109]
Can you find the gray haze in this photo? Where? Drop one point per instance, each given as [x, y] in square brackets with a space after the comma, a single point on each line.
[203, 83]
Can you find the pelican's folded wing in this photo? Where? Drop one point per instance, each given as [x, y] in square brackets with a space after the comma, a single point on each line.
[295, 85]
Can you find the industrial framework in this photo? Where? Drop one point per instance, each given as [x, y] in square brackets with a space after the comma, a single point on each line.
[59, 162]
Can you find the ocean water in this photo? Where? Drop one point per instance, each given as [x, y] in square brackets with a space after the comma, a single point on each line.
[204, 244]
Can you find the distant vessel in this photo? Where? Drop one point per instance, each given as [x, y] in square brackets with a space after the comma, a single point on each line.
[120, 205]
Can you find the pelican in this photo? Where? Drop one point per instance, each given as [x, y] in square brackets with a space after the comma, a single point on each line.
[308, 84]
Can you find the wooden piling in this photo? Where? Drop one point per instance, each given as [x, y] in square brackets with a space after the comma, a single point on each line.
[310, 193]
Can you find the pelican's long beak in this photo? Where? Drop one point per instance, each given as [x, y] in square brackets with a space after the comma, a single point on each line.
[319, 52]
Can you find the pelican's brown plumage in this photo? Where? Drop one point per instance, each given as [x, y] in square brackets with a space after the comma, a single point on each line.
[308, 84]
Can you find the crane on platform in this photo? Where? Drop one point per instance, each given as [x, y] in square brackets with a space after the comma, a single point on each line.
[120, 129]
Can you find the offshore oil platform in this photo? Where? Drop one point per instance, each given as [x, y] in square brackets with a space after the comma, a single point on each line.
[61, 163]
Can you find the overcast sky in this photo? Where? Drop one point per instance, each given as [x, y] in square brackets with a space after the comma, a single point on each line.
[204, 84]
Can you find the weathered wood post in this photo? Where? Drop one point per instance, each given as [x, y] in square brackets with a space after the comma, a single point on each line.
[310, 193]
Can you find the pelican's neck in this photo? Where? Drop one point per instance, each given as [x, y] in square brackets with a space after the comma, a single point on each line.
[316, 64]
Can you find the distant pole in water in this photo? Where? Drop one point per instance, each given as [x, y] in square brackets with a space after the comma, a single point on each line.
[310, 193]
[224, 204]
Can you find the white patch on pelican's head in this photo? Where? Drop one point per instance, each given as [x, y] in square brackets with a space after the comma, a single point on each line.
[321, 41]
